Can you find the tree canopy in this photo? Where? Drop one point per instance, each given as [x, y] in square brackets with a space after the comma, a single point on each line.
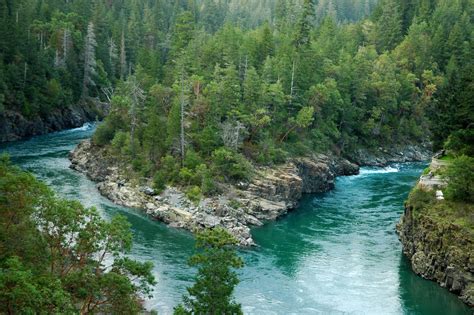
[58, 257]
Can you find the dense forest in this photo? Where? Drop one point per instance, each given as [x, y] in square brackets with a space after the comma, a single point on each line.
[202, 91]
[257, 80]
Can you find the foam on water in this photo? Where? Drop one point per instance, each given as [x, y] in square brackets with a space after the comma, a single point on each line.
[87, 126]
[383, 170]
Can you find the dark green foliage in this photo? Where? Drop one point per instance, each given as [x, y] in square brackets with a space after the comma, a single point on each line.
[58, 257]
[104, 135]
[230, 165]
[23, 291]
[204, 89]
[420, 199]
[389, 26]
[218, 97]
[305, 24]
[460, 176]
[461, 142]
[215, 280]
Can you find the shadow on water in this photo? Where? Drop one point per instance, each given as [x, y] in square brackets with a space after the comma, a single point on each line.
[287, 249]
[420, 296]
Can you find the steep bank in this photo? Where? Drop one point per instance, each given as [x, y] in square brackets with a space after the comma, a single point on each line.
[271, 193]
[393, 154]
[14, 126]
[438, 238]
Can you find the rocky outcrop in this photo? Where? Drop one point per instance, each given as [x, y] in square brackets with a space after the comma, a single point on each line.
[271, 193]
[14, 126]
[394, 154]
[439, 251]
[439, 245]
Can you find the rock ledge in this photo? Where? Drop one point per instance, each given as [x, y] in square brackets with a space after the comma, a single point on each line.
[272, 192]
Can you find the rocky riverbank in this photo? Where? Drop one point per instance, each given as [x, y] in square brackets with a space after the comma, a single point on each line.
[393, 154]
[14, 126]
[271, 193]
[438, 238]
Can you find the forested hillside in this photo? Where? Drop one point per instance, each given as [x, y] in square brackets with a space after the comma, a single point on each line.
[239, 81]
[47, 47]
[214, 104]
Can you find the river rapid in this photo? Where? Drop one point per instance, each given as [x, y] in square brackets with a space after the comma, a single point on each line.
[336, 254]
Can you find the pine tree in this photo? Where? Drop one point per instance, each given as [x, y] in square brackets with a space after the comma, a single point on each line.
[388, 31]
[215, 281]
[305, 24]
[113, 57]
[281, 14]
[90, 62]
[266, 43]
[137, 97]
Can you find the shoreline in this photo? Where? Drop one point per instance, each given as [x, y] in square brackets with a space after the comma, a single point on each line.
[273, 192]
[16, 127]
[438, 248]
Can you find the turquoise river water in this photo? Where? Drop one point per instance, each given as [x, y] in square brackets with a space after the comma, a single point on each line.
[336, 254]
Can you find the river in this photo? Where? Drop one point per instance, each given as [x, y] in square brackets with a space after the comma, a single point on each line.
[336, 254]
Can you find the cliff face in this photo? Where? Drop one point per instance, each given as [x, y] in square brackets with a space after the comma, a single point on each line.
[14, 126]
[439, 251]
[271, 194]
[438, 237]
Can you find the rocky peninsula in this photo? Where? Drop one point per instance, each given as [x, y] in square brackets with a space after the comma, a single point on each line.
[270, 194]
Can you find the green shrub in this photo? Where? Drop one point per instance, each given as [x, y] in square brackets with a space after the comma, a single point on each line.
[448, 158]
[126, 149]
[192, 160]
[235, 204]
[186, 176]
[461, 142]
[137, 164]
[231, 165]
[460, 176]
[159, 182]
[119, 140]
[297, 148]
[269, 153]
[103, 134]
[146, 168]
[194, 194]
[420, 199]
[208, 186]
[169, 167]
[208, 139]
